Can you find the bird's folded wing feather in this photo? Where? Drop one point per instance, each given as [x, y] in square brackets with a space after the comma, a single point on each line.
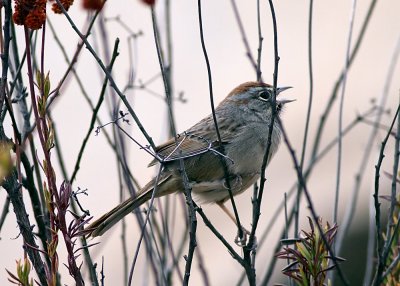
[199, 139]
[187, 145]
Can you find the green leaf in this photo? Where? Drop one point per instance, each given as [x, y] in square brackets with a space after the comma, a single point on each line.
[46, 89]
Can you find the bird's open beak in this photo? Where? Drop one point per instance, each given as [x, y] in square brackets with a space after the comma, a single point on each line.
[280, 89]
[283, 100]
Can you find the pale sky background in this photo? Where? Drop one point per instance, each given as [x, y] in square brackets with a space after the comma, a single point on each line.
[230, 67]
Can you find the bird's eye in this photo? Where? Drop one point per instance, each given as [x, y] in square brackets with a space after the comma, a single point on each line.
[264, 95]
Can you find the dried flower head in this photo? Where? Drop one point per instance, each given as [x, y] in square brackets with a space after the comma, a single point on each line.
[35, 19]
[149, 2]
[32, 14]
[66, 4]
[95, 5]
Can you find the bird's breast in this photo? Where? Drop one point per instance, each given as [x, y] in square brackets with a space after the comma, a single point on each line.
[248, 148]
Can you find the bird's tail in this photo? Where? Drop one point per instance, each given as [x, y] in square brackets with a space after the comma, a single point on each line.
[108, 220]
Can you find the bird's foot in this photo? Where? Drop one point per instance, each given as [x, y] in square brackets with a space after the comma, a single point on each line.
[241, 237]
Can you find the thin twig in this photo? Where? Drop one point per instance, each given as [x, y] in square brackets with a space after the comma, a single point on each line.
[143, 226]
[341, 107]
[29, 184]
[307, 125]
[260, 41]
[210, 86]
[11, 185]
[202, 267]
[307, 174]
[5, 52]
[250, 271]
[393, 197]
[121, 152]
[286, 232]
[302, 181]
[167, 229]
[74, 60]
[379, 245]
[230, 249]
[157, 251]
[108, 74]
[350, 209]
[391, 230]
[95, 112]
[77, 78]
[244, 37]
[6, 209]
[291, 191]
[278, 245]
[354, 52]
[123, 227]
[392, 266]
[185, 180]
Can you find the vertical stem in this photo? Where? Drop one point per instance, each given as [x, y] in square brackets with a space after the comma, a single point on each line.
[332, 99]
[310, 100]
[5, 52]
[260, 40]
[379, 243]
[187, 188]
[215, 119]
[341, 106]
[243, 33]
[249, 248]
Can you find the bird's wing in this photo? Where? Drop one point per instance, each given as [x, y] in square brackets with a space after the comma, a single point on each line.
[200, 148]
[186, 145]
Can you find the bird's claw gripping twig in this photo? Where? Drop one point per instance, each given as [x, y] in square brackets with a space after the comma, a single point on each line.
[241, 240]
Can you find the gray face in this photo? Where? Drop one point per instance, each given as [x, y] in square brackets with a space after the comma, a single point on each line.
[255, 104]
[266, 94]
[263, 98]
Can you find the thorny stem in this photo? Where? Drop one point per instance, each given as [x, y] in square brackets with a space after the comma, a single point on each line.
[349, 214]
[43, 132]
[379, 245]
[12, 187]
[393, 197]
[48, 169]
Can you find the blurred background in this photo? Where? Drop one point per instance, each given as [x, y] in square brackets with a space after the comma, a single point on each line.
[230, 66]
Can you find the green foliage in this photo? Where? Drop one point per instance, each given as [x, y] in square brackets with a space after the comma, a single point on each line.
[310, 258]
[23, 271]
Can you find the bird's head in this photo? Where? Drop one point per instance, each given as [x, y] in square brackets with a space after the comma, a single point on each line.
[257, 97]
